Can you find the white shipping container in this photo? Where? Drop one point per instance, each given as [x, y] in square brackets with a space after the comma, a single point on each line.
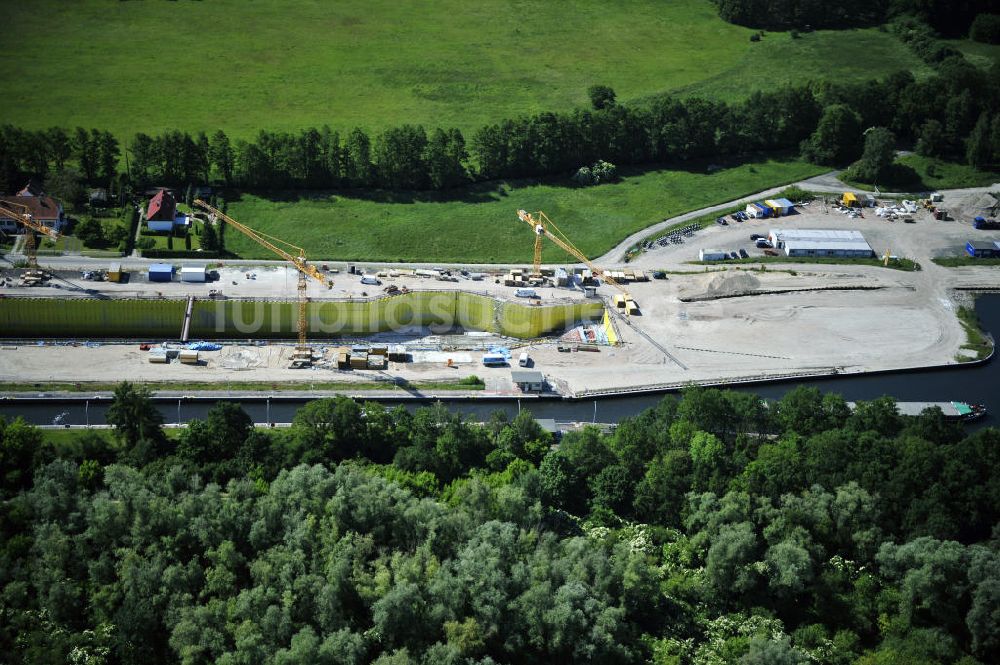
[192, 273]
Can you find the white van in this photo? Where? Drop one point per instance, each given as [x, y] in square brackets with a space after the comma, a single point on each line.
[523, 359]
[374, 281]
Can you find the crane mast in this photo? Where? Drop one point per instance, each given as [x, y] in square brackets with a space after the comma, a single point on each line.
[545, 227]
[24, 218]
[303, 354]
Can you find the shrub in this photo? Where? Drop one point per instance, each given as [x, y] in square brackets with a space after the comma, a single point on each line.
[986, 29]
[601, 171]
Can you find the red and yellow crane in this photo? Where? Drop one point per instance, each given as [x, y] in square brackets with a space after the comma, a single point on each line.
[546, 228]
[22, 214]
[303, 354]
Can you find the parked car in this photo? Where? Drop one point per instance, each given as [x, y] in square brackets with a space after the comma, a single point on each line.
[736, 217]
[755, 236]
[659, 274]
[721, 221]
[733, 255]
[743, 253]
[763, 243]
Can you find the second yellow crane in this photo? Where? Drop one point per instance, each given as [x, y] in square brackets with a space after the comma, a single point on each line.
[303, 353]
[545, 227]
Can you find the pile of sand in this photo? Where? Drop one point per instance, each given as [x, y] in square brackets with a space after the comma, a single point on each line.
[720, 285]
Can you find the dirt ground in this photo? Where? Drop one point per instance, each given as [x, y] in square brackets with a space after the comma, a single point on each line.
[709, 323]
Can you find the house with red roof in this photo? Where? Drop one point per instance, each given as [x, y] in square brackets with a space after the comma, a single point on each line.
[161, 213]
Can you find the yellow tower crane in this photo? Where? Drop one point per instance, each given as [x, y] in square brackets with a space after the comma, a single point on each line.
[303, 354]
[545, 227]
[23, 217]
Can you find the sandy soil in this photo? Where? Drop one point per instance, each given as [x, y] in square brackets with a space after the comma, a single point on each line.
[728, 323]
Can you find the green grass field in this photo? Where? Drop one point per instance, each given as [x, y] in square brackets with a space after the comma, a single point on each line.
[482, 226]
[242, 66]
[938, 174]
[915, 173]
[982, 55]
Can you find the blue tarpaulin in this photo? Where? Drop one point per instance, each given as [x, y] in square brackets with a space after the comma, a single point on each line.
[203, 346]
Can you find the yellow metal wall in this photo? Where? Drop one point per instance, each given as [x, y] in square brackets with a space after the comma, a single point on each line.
[262, 319]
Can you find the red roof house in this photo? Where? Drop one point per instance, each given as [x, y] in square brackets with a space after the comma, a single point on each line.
[162, 207]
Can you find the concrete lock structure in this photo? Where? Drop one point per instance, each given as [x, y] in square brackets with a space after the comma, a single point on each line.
[247, 319]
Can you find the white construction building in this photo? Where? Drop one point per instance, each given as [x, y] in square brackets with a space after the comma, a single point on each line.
[821, 242]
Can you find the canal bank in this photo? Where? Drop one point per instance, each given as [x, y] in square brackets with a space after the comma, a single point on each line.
[970, 382]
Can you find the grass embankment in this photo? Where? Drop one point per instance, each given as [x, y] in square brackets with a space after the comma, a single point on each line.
[480, 225]
[445, 63]
[977, 341]
[466, 383]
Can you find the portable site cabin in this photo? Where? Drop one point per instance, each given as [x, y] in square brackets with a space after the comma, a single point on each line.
[982, 249]
[192, 273]
[161, 272]
[870, 201]
[850, 200]
[561, 277]
[619, 301]
[780, 207]
[758, 210]
[115, 273]
[529, 382]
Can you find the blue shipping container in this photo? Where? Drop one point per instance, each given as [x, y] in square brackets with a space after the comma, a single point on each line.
[161, 272]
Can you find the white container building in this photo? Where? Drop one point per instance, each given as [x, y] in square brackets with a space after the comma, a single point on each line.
[821, 242]
[192, 273]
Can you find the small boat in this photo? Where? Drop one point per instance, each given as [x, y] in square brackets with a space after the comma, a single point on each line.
[969, 411]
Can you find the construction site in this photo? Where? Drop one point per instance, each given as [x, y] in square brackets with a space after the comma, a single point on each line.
[665, 319]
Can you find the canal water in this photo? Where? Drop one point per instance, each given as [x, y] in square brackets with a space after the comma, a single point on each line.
[978, 384]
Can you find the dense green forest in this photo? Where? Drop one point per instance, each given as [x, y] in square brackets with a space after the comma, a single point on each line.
[711, 529]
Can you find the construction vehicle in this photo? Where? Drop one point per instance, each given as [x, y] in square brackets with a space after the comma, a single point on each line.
[303, 353]
[544, 227]
[22, 214]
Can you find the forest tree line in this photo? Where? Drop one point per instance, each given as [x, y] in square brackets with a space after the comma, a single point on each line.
[951, 18]
[954, 114]
[709, 529]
